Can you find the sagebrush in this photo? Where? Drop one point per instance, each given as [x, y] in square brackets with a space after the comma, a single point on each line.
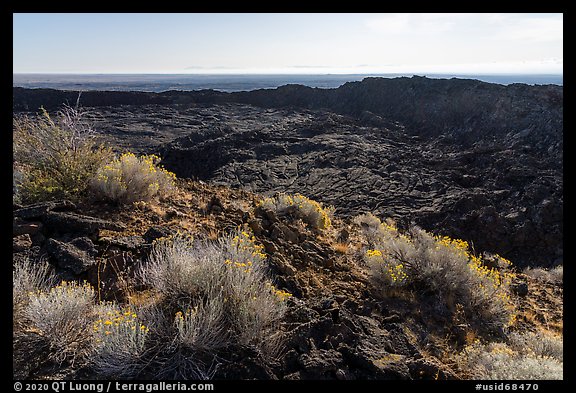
[554, 275]
[56, 325]
[28, 277]
[231, 277]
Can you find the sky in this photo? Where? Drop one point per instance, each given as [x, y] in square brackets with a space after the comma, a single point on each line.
[284, 43]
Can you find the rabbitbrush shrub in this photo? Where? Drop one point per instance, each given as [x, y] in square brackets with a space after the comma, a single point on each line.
[119, 339]
[440, 265]
[526, 356]
[57, 323]
[54, 158]
[130, 179]
[220, 294]
[28, 277]
[308, 210]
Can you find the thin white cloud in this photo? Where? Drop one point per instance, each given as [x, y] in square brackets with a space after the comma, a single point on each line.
[509, 27]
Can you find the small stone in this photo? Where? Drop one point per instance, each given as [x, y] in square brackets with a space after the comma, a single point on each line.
[281, 231]
[343, 236]
[321, 361]
[394, 318]
[172, 213]
[283, 266]
[84, 244]
[256, 226]
[268, 214]
[269, 246]
[157, 232]
[76, 223]
[38, 210]
[125, 242]
[341, 375]
[76, 256]
[215, 205]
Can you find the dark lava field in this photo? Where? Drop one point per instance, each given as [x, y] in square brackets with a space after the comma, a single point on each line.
[463, 158]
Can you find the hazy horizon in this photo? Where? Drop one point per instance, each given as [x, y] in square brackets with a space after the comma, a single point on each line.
[235, 82]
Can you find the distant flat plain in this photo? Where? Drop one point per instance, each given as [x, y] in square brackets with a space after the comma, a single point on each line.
[236, 82]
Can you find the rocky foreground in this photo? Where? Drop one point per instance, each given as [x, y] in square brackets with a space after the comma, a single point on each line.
[473, 160]
[338, 324]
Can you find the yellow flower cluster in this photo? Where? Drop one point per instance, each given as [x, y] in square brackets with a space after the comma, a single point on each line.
[281, 294]
[495, 283]
[457, 245]
[186, 322]
[501, 348]
[389, 226]
[180, 317]
[373, 253]
[151, 160]
[245, 265]
[66, 288]
[244, 241]
[113, 322]
[396, 273]
[111, 173]
[393, 272]
[505, 261]
[495, 276]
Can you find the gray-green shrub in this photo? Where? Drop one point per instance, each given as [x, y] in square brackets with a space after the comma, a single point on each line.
[119, 342]
[309, 211]
[59, 320]
[54, 158]
[129, 178]
[440, 265]
[221, 293]
[527, 356]
[554, 275]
